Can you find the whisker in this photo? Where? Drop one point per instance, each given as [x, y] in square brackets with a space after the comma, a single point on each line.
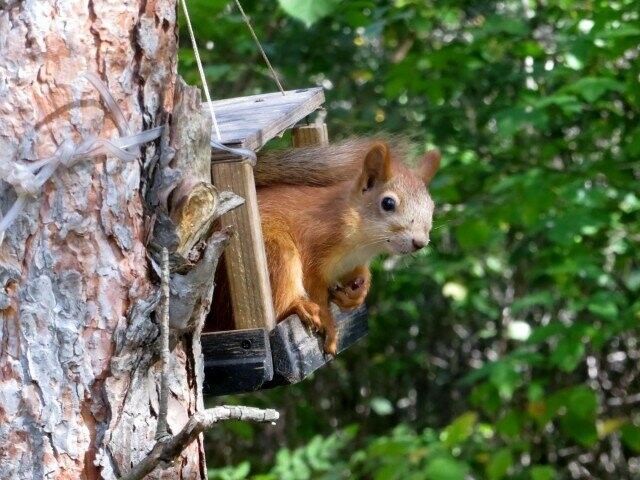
[441, 225]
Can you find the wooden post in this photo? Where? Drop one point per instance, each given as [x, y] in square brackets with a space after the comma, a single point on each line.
[246, 260]
[310, 136]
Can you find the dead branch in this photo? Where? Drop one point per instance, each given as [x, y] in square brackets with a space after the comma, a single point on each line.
[166, 450]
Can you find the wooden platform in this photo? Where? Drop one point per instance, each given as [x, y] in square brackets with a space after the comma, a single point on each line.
[241, 361]
[297, 353]
[250, 122]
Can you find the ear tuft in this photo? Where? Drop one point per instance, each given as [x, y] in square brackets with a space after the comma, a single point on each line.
[429, 165]
[376, 167]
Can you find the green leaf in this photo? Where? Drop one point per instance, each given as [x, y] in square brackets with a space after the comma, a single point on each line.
[473, 233]
[485, 396]
[602, 305]
[592, 88]
[509, 424]
[505, 378]
[579, 419]
[499, 464]
[496, 24]
[238, 472]
[391, 471]
[567, 103]
[216, 72]
[545, 332]
[631, 437]
[535, 392]
[389, 448]
[445, 468]
[582, 401]
[630, 203]
[308, 11]
[242, 471]
[511, 120]
[582, 430]
[542, 472]
[460, 429]
[568, 354]
[573, 62]
[381, 406]
[544, 299]
[621, 31]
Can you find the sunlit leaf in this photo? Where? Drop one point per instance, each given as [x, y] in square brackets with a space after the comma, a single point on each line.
[460, 429]
[445, 468]
[308, 11]
[381, 406]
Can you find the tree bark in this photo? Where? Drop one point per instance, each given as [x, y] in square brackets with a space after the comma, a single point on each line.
[79, 370]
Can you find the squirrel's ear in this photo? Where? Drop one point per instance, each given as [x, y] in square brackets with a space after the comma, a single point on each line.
[429, 165]
[376, 167]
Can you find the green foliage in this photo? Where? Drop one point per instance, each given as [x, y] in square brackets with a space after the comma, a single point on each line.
[510, 346]
[320, 458]
[239, 472]
[308, 11]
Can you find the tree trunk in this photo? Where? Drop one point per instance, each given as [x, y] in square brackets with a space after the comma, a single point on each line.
[79, 371]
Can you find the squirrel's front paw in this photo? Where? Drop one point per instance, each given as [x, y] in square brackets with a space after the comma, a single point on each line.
[331, 342]
[309, 313]
[351, 295]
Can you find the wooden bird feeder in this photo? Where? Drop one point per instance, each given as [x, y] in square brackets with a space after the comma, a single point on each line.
[257, 353]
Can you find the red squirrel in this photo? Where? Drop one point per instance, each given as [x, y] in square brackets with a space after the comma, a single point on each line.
[326, 212]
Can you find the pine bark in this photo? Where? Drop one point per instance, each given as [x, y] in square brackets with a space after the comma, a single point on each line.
[79, 371]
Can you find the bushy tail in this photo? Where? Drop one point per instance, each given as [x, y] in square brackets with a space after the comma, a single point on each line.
[315, 166]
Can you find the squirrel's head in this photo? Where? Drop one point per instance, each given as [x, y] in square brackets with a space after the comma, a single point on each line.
[394, 205]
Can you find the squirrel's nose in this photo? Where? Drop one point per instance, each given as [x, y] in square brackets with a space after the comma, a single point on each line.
[418, 244]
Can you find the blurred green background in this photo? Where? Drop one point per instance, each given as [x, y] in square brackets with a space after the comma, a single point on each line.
[510, 348]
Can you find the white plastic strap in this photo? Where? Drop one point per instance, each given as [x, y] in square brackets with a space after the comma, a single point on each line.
[28, 178]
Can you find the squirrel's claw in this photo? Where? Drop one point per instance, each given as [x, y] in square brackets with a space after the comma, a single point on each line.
[352, 295]
[331, 343]
[309, 314]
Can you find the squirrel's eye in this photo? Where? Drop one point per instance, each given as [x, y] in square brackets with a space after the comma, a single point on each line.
[388, 204]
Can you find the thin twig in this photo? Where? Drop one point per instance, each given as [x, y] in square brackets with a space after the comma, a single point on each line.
[161, 428]
[166, 451]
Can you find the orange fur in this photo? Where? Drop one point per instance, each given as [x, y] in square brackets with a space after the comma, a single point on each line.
[320, 239]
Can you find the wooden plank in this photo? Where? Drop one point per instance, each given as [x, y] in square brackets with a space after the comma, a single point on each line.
[236, 361]
[246, 261]
[249, 122]
[252, 121]
[297, 352]
[310, 136]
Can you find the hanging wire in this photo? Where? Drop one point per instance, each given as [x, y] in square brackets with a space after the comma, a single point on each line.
[264, 55]
[203, 79]
[242, 152]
